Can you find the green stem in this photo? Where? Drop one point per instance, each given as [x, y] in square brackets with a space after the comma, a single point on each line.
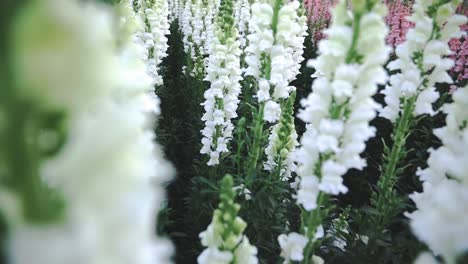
[257, 143]
[313, 219]
[389, 173]
[352, 54]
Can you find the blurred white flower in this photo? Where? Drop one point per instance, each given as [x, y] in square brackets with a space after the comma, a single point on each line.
[292, 246]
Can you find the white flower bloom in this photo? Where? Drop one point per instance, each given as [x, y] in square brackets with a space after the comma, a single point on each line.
[283, 50]
[272, 111]
[246, 253]
[317, 260]
[153, 26]
[292, 246]
[241, 19]
[444, 204]
[221, 98]
[126, 163]
[273, 56]
[308, 192]
[213, 255]
[421, 59]
[210, 238]
[444, 200]
[338, 111]
[426, 258]
[241, 190]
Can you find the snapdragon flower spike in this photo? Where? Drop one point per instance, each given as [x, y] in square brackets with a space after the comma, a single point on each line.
[282, 142]
[242, 18]
[422, 58]
[224, 236]
[198, 29]
[109, 88]
[274, 52]
[157, 15]
[151, 16]
[224, 74]
[212, 9]
[339, 109]
[444, 200]
[173, 6]
[186, 25]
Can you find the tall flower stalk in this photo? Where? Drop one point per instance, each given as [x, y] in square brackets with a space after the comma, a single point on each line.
[242, 17]
[273, 58]
[444, 200]
[152, 19]
[421, 62]
[110, 182]
[337, 114]
[224, 74]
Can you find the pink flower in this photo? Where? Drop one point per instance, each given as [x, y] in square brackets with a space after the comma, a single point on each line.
[459, 47]
[397, 22]
[318, 14]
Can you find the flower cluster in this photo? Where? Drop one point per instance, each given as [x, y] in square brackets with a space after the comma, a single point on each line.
[421, 59]
[293, 244]
[157, 15]
[242, 18]
[274, 53]
[224, 237]
[186, 24]
[444, 200]
[151, 17]
[197, 26]
[110, 181]
[224, 74]
[173, 6]
[339, 109]
[397, 21]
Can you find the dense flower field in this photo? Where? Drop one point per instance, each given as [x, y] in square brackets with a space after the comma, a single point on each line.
[233, 131]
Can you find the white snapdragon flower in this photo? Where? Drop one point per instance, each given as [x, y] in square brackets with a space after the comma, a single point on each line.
[426, 258]
[242, 18]
[158, 20]
[151, 25]
[444, 201]
[421, 59]
[186, 25]
[292, 246]
[126, 163]
[442, 204]
[215, 256]
[224, 74]
[246, 253]
[283, 50]
[339, 109]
